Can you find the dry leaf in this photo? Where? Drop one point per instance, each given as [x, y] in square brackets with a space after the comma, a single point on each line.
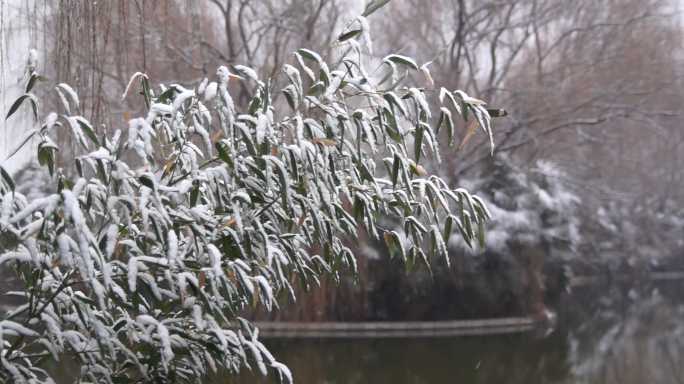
[129, 370]
[141, 170]
[56, 264]
[301, 220]
[130, 85]
[227, 222]
[118, 246]
[294, 277]
[420, 170]
[235, 77]
[169, 163]
[127, 116]
[471, 100]
[202, 279]
[192, 236]
[468, 134]
[231, 276]
[326, 142]
[255, 297]
[426, 72]
[274, 150]
[216, 136]
[210, 360]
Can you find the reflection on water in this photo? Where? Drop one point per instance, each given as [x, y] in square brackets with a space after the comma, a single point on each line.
[622, 335]
[634, 338]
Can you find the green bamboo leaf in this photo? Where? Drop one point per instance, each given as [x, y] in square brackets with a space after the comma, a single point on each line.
[374, 7]
[89, 132]
[497, 112]
[418, 143]
[439, 122]
[18, 102]
[450, 130]
[6, 177]
[25, 139]
[309, 55]
[410, 260]
[481, 234]
[102, 173]
[318, 87]
[425, 263]
[79, 165]
[194, 193]
[148, 182]
[399, 59]
[464, 233]
[50, 161]
[448, 222]
[166, 95]
[433, 243]
[349, 35]
[223, 154]
[289, 98]
[395, 85]
[147, 94]
[31, 83]
[441, 51]
[395, 170]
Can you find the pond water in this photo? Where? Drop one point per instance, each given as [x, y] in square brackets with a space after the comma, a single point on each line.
[614, 335]
[618, 334]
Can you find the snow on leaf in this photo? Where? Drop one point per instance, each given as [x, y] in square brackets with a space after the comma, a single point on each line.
[210, 92]
[365, 31]
[420, 99]
[249, 72]
[70, 91]
[284, 370]
[426, 72]
[399, 59]
[15, 256]
[134, 78]
[261, 128]
[180, 99]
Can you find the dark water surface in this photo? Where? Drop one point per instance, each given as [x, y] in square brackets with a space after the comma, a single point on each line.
[611, 335]
[608, 335]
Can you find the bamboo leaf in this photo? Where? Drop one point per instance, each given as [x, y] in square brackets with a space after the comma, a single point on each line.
[468, 134]
[17, 104]
[348, 35]
[374, 7]
[399, 59]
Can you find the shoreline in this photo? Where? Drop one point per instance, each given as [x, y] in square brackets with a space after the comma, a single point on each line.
[402, 329]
